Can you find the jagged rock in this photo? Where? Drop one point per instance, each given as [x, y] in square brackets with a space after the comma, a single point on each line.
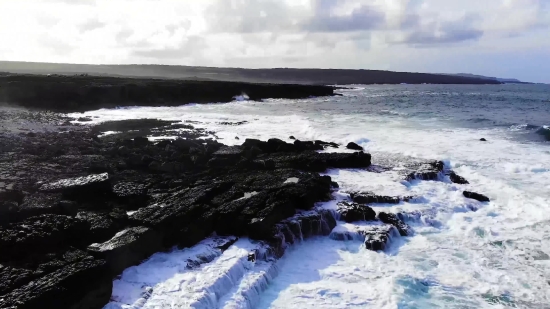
[291, 137]
[371, 198]
[301, 226]
[394, 220]
[476, 196]
[457, 178]
[354, 146]
[375, 236]
[41, 234]
[127, 248]
[326, 144]
[16, 196]
[185, 144]
[306, 145]
[482, 139]
[426, 171]
[81, 187]
[131, 195]
[378, 237]
[238, 123]
[85, 284]
[103, 226]
[237, 138]
[319, 162]
[351, 212]
[141, 141]
[277, 145]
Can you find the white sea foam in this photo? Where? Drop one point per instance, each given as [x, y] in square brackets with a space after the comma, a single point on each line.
[464, 254]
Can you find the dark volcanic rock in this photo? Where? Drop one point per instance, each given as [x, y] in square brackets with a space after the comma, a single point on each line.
[457, 178]
[371, 198]
[482, 139]
[81, 93]
[306, 145]
[394, 220]
[375, 236]
[476, 196]
[378, 237]
[354, 146]
[351, 212]
[131, 195]
[103, 225]
[426, 171]
[319, 162]
[326, 144]
[291, 137]
[81, 187]
[41, 234]
[127, 248]
[85, 284]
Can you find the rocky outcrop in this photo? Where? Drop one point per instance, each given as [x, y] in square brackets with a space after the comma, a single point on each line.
[426, 171]
[70, 93]
[352, 212]
[476, 196]
[455, 178]
[395, 220]
[127, 248]
[354, 146]
[371, 198]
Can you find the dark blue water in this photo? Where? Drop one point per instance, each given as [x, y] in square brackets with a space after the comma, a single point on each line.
[524, 109]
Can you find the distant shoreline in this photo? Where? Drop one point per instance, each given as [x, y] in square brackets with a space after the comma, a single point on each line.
[274, 75]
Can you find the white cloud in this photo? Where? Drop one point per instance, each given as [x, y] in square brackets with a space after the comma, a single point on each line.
[377, 34]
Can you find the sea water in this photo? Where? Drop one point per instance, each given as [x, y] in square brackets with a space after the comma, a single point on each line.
[463, 254]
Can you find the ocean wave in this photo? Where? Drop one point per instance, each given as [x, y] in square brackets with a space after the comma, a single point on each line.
[525, 126]
[544, 131]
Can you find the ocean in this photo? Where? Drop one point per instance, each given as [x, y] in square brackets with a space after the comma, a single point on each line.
[463, 254]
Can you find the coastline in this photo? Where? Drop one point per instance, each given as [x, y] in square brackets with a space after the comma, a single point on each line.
[80, 206]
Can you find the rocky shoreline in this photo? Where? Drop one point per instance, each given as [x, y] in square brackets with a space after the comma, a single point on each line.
[77, 207]
[85, 92]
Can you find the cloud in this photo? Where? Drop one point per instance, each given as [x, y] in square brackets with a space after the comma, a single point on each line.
[91, 25]
[377, 34]
[363, 18]
[445, 32]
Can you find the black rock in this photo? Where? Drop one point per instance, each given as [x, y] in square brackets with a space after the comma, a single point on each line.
[306, 145]
[326, 144]
[482, 139]
[377, 237]
[102, 226]
[85, 284]
[131, 195]
[351, 212]
[82, 187]
[319, 162]
[354, 146]
[291, 137]
[394, 220]
[371, 198]
[427, 171]
[40, 235]
[141, 141]
[457, 178]
[127, 248]
[476, 196]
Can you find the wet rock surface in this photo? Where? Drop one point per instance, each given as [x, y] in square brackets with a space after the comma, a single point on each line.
[476, 196]
[352, 212]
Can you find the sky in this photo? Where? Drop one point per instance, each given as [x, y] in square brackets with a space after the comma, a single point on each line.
[503, 38]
